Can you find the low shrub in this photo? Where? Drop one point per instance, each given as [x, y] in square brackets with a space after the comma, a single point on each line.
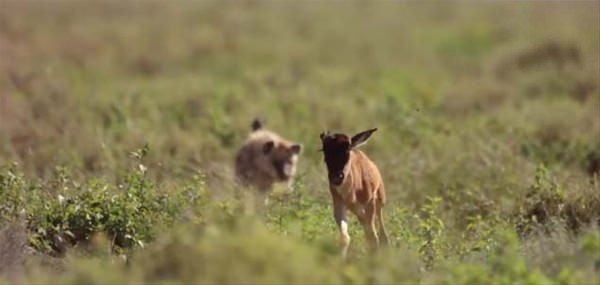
[61, 213]
[547, 205]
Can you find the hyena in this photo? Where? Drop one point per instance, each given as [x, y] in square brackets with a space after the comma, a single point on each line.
[266, 158]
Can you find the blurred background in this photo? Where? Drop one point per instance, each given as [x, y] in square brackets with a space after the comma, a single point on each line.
[477, 103]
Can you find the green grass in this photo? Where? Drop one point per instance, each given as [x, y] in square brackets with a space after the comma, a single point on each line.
[488, 140]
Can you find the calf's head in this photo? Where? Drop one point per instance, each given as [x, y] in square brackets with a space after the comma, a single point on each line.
[336, 151]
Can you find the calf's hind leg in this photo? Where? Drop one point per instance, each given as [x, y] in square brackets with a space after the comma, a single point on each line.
[383, 237]
[368, 223]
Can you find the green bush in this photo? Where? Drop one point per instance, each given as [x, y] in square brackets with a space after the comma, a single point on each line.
[62, 213]
[547, 203]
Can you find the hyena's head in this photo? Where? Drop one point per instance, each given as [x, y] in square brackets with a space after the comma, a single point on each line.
[336, 152]
[277, 156]
[281, 158]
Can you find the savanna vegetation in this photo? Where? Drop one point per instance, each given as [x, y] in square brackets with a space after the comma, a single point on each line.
[119, 122]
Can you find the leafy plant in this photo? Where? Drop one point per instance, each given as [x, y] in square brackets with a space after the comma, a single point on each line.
[431, 231]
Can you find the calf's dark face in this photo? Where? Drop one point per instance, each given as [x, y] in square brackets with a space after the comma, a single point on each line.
[336, 152]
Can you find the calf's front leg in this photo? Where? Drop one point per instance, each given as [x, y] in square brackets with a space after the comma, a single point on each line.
[341, 219]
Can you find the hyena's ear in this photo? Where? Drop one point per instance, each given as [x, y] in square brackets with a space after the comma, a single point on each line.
[361, 138]
[257, 124]
[268, 147]
[296, 148]
[324, 135]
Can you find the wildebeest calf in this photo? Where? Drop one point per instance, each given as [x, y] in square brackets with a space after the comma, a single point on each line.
[355, 184]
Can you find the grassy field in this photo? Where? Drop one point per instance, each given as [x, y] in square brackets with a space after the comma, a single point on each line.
[119, 123]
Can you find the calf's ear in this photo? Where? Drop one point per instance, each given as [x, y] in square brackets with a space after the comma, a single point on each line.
[361, 138]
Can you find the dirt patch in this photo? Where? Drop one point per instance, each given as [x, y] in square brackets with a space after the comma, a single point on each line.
[551, 53]
[13, 242]
[593, 163]
[146, 65]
